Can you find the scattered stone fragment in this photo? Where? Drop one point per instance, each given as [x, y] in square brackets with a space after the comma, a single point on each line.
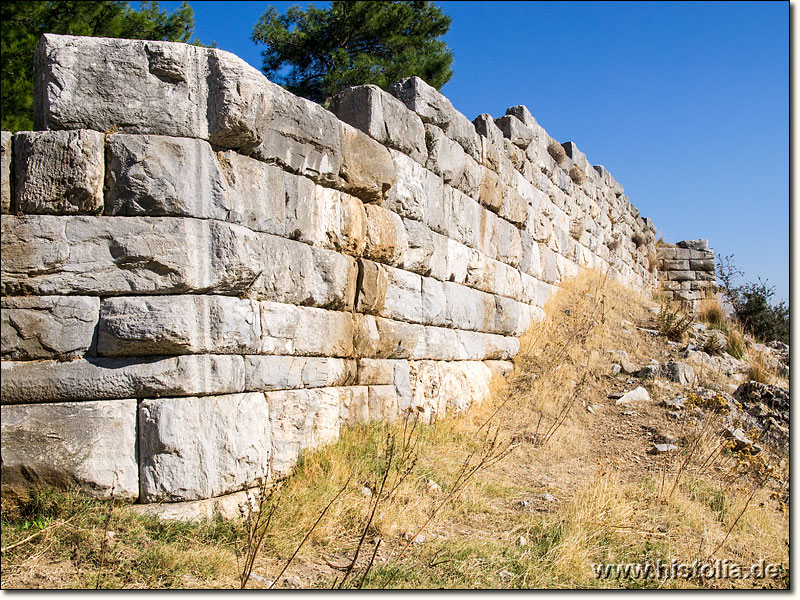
[638, 394]
[432, 485]
[522, 541]
[661, 448]
[549, 498]
[366, 492]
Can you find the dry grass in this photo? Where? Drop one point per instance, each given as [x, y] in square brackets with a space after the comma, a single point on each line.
[577, 175]
[638, 240]
[711, 312]
[557, 151]
[613, 502]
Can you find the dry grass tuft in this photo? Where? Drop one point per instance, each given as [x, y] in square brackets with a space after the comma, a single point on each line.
[711, 312]
[638, 240]
[557, 151]
[577, 175]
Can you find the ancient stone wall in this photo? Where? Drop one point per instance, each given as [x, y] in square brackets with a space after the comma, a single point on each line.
[686, 271]
[203, 274]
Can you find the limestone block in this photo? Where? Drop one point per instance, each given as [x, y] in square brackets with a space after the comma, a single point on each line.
[270, 373]
[376, 337]
[403, 296]
[165, 176]
[485, 126]
[496, 347]
[383, 117]
[354, 405]
[5, 172]
[448, 159]
[466, 308]
[413, 185]
[466, 215]
[426, 253]
[46, 255]
[376, 371]
[491, 190]
[372, 286]
[578, 158]
[47, 327]
[535, 291]
[305, 331]
[499, 368]
[58, 172]
[383, 402]
[550, 271]
[681, 275]
[89, 445]
[701, 244]
[674, 265]
[367, 170]
[26, 382]
[329, 219]
[433, 107]
[301, 419]
[131, 85]
[505, 239]
[530, 261]
[701, 264]
[425, 402]
[386, 240]
[515, 130]
[192, 448]
[464, 384]
[511, 317]
[434, 302]
[705, 275]
[457, 261]
[185, 324]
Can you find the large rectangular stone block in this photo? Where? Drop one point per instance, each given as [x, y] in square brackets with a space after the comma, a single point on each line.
[447, 159]
[26, 382]
[426, 251]
[329, 219]
[59, 172]
[383, 117]
[299, 420]
[376, 337]
[48, 327]
[192, 448]
[412, 188]
[386, 240]
[305, 331]
[185, 324]
[270, 373]
[89, 445]
[48, 255]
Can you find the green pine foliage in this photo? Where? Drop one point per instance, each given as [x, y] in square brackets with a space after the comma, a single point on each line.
[23, 23]
[316, 53]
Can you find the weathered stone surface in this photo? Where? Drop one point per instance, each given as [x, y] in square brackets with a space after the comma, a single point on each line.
[301, 419]
[91, 445]
[329, 219]
[269, 373]
[386, 240]
[638, 394]
[376, 337]
[131, 85]
[515, 130]
[58, 172]
[413, 186]
[26, 382]
[448, 159]
[485, 126]
[305, 331]
[678, 372]
[165, 176]
[438, 386]
[372, 286]
[426, 252]
[229, 507]
[367, 170]
[433, 107]
[60, 327]
[185, 324]
[383, 117]
[192, 448]
[354, 405]
[372, 371]
[111, 256]
[701, 244]
[5, 172]
[382, 401]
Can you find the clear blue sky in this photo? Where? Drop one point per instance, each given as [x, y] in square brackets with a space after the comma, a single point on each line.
[687, 104]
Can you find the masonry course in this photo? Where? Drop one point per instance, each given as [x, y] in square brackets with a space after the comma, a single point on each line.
[218, 274]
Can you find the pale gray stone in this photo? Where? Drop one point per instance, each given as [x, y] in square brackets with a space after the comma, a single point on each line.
[413, 185]
[5, 172]
[678, 372]
[701, 244]
[329, 219]
[304, 331]
[91, 445]
[386, 239]
[485, 126]
[185, 324]
[354, 405]
[192, 448]
[638, 394]
[47, 327]
[114, 84]
[433, 107]
[383, 402]
[426, 251]
[119, 378]
[58, 172]
[383, 117]
[299, 420]
[47, 255]
[372, 371]
[515, 130]
[269, 373]
[377, 337]
[448, 159]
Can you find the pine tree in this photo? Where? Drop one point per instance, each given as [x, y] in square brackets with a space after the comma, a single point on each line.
[316, 53]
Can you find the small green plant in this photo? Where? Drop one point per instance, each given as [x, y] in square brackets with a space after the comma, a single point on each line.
[673, 322]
